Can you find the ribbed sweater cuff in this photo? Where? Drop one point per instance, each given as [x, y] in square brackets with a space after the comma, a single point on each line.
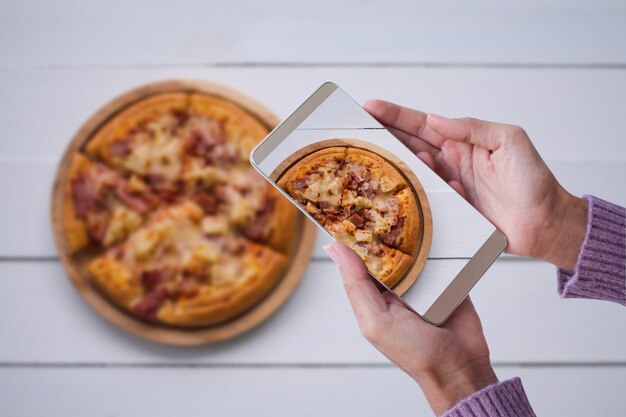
[600, 271]
[504, 399]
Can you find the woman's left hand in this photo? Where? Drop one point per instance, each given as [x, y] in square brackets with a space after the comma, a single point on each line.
[449, 362]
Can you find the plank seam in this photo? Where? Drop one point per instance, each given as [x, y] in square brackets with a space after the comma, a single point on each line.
[375, 64]
[270, 365]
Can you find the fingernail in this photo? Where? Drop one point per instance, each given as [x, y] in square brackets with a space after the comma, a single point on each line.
[331, 251]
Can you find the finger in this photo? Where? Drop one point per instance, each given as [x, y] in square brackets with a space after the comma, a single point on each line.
[366, 301]
[428, 159]
[411, 121]
[414, 143]
[396, 308]
[464, 316]
[458, 187]
[477, 132]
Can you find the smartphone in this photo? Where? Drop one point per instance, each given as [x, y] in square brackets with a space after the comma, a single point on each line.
[363, 187]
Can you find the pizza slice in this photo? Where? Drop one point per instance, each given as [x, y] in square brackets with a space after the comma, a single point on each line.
[173, 271]
[217, 135]
[239, 127]
[100, 205]
[317, 179]
[143, 139]
[386, 263]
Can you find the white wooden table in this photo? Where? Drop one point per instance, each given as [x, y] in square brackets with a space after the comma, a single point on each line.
[558, 69]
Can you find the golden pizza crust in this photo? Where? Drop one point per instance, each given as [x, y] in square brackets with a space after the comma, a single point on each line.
[75, 229]
[116, 280]
[225, 304]
[407, 240]
[283, 223]
[399, 264]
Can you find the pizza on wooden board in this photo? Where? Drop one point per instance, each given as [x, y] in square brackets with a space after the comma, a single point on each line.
[363, 201]
[184, 231]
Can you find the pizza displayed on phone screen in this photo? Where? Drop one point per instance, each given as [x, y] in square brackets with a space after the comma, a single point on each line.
[367, 190]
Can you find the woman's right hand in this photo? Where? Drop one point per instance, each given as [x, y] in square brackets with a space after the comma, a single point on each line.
[498, 170]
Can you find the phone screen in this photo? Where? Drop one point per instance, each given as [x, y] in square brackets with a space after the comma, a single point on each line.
[366, 189]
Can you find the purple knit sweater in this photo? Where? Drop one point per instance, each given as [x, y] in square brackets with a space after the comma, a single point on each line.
[600, 274]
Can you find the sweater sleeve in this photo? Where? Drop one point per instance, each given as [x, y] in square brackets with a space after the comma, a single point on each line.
[600, 271]
[600, 274]
[504, 399]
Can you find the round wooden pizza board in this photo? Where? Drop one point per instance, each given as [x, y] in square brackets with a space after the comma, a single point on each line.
[425, 236]
[76, 265]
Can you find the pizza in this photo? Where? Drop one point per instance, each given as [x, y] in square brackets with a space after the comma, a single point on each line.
[364, 202]
[178, 227]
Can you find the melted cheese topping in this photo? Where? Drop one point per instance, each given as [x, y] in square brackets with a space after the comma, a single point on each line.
[197, 171]
[122, 223]
[158, 153]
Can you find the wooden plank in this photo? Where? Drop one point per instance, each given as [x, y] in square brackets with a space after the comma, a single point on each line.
[35, 32]
[364, 392]
[45, 321]
[570, 114]
[26, 184]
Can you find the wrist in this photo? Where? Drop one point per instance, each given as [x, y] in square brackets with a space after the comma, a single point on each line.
[562, 236]
[444, 391]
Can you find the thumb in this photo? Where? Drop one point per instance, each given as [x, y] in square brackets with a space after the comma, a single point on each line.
[364, 297]
[474, 131]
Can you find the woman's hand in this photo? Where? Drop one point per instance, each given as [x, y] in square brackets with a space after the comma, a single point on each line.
[449, 362]
[498, 170]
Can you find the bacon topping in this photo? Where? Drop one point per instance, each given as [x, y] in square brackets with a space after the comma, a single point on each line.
[299, 184]
[207, 202]
[151, 279]
[155, 179]
[392, 236]
[357, 219]
[352, 181]
[148, 306]
[221, 193]
[366, 189]
[333, 217]
[205, 134]
[222, 155]
[324, 204]
[319, 217]
[377, 249]
[120, 147]
[98, 223]
[188, 287]
[257, 230]
[130, 198]
[86, 195]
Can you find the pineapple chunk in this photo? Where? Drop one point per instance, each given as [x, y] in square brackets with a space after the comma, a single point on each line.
[386, 184]
[206, 253]
[137, 185]
[348, 226]
[207, 175]
[351, 199]
[361, 251]
[123, 222]
[144, 242]
[242, 211]
[215, 225]
[363, 236]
